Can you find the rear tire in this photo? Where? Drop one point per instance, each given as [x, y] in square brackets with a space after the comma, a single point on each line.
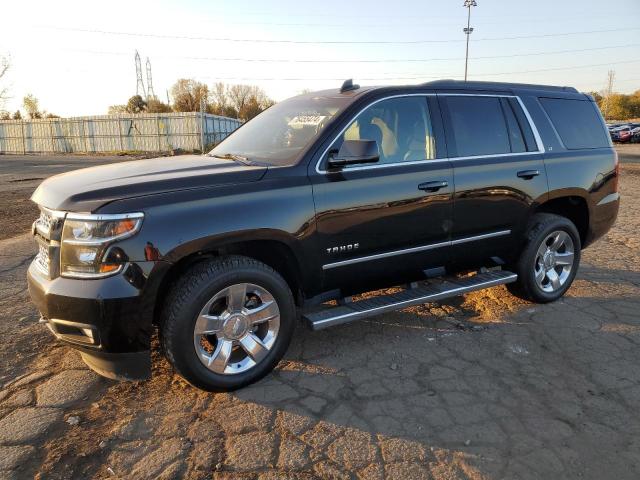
[549, 260]
[227, 323]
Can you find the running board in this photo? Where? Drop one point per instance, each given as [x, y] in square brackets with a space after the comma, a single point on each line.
[425, 293]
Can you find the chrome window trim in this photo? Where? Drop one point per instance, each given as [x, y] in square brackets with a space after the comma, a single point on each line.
[382, 165]
[532, 125]
[421, 248]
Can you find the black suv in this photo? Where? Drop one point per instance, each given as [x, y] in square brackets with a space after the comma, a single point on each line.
[321, 197]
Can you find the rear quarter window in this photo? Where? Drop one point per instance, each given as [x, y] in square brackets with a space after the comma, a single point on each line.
[577, 122]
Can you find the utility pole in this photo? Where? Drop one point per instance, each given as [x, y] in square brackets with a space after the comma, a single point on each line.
[151, 95]
[468, 4]
[611, 75]
[140, 90]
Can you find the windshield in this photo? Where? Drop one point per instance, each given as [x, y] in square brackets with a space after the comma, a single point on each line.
[279, 134]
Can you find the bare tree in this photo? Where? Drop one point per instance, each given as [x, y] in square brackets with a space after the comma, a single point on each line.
[32, 106]
[239, 95]
[117, 109]
[248, 100]
[187, 95]
[220, 96]
[4, 90]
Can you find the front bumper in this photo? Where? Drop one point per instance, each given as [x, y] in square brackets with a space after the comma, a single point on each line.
[108, 320]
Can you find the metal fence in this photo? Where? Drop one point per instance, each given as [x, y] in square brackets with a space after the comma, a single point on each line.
[148, 132]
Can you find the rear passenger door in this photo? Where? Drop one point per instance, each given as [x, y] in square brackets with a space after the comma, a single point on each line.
[499, 173]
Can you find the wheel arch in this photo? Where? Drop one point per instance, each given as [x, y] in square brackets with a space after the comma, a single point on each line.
[274, 252]
[572, 206]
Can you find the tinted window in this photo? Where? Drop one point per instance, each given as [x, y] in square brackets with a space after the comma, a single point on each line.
[516, 137]
[401, 127]
[577, 122]
[525, 127]
[477, 125]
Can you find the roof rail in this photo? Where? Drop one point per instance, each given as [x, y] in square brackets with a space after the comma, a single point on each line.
[459, 84]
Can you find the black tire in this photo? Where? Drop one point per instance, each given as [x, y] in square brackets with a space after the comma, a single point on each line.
[191, 293]
[540, 227]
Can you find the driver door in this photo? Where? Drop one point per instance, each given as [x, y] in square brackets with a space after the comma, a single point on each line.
[387, 221]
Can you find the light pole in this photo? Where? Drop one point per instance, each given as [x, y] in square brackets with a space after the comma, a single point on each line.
[468, 4]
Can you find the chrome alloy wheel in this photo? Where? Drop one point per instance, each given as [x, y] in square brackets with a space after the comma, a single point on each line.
[554, 261]
[236, 328]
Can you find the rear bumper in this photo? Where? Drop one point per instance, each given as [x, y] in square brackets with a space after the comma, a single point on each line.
[109, 321]
[603, 216]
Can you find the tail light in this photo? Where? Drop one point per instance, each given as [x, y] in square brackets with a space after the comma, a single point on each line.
[616, 170]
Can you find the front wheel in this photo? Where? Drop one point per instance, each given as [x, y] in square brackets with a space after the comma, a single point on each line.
[549, 261]
[227, 323]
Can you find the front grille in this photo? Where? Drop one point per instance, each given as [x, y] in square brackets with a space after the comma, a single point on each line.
[42, 258]
[44, 223]
[48, 232]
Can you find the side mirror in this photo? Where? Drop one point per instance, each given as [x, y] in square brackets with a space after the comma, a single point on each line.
[353, 152]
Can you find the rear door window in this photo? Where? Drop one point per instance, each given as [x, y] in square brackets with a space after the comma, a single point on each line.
[476, 126]
[577, 122]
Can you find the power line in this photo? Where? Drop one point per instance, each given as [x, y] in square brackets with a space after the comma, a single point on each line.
[350, 25]
[389, 60]
[418, 76]
[325, 42]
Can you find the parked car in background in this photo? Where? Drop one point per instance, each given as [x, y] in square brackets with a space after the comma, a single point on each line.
[635, 135]
[621, 134]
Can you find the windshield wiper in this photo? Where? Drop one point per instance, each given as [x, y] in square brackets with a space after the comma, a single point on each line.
[232, 156]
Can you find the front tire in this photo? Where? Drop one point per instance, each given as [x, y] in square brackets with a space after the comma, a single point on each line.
[227, 323]
[549, 261]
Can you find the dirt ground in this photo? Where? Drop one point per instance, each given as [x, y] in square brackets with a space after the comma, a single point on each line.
[482, 387]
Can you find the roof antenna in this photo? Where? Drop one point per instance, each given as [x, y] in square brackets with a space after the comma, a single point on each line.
[348, 85]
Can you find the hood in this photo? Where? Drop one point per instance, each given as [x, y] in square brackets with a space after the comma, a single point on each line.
[87, 189]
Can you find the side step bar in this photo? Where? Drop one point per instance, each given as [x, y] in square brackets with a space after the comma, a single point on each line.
[424, 293]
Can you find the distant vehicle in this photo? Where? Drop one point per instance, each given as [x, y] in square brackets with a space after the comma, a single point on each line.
[621, 134]
[635, 135]
[321, 197]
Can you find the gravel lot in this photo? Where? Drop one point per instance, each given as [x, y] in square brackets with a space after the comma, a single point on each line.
[482, 387]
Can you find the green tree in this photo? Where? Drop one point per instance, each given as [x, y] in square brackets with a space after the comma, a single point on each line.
[17, 115]
[4, 115]
[136, 105]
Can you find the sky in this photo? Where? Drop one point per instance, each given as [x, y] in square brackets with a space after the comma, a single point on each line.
[77, 57]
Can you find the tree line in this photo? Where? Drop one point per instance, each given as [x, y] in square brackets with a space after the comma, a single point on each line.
[235, 101]
[618, 106]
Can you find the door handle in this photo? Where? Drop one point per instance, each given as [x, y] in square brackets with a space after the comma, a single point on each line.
[528, 174]
[433, 186]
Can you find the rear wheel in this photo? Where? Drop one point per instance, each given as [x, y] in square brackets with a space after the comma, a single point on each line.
[227, 323]
[549, 261]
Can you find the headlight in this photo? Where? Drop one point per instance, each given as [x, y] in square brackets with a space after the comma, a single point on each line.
[85, 239]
